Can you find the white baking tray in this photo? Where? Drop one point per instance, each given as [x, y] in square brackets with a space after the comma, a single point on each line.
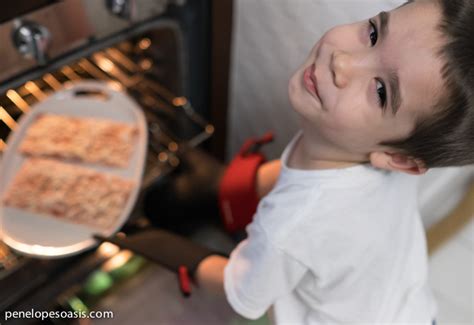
[47, 236]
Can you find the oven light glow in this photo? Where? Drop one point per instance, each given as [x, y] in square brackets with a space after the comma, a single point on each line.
[146, 64]
[179, 101]
[162, 157]
[117, 261]
[98, 283]
[105, 64]
[209, 129]
[173, 146]
[174, 161]
[115, 85]
[39, 250]
[108, 249]
[77, 304]
[144, 43]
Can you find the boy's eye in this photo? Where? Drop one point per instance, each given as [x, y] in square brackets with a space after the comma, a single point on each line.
[382, 94]
[374, 35]
[381, 89]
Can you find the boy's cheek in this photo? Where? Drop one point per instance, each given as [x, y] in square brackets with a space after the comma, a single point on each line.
[340, 127]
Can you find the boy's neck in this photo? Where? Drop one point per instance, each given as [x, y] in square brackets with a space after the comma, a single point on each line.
[301, 158]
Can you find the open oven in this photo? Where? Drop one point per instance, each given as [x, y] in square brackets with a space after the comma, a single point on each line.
[170, 56]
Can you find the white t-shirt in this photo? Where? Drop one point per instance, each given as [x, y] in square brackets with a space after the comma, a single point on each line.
[334, 246]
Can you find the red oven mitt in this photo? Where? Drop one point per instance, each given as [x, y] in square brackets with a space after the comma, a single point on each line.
[237, 195]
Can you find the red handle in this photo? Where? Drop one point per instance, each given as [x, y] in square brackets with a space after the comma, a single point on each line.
[252, 145]
[184, 281]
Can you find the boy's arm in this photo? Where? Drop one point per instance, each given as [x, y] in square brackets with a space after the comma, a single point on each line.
[210, 272]
[255, 276]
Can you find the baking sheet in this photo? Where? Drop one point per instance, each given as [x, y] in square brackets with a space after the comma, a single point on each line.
[47, 236]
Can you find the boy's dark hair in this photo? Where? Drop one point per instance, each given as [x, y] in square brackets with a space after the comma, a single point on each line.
[446, 138]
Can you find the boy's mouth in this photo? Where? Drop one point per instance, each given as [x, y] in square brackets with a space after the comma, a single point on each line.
[310, 82]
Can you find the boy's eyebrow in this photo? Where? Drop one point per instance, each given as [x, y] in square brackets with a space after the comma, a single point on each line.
[396, 99]
[394, 81]
[384, 19]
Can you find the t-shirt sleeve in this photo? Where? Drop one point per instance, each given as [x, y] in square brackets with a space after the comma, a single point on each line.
[258, 273]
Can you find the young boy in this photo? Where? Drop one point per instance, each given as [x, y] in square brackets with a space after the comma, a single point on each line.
[339, 239]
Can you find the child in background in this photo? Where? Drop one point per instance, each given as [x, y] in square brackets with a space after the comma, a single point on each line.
[339, 238]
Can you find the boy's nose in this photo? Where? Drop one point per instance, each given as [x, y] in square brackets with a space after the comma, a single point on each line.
[342, 68]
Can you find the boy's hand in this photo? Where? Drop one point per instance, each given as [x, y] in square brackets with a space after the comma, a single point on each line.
[210, 275]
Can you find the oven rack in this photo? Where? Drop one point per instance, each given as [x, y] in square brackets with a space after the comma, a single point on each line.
[114, 65]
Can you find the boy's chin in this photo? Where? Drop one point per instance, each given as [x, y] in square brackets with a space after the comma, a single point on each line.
[295, 99]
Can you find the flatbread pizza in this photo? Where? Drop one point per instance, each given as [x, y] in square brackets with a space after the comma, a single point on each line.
[89, 140]
[69, 192]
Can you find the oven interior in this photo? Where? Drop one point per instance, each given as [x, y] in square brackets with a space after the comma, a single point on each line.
[150, 65]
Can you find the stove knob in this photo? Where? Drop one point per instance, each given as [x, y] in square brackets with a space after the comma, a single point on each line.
[32, 40]
[122, 8]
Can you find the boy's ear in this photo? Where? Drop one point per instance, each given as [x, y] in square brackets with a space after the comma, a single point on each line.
[397, 162]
